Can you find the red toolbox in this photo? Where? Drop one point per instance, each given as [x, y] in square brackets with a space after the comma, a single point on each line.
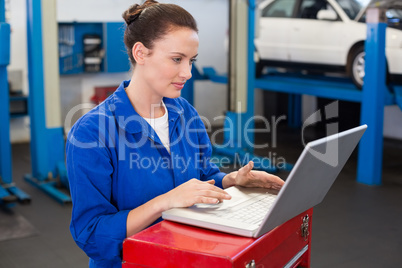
[101, 93]
[169, 244]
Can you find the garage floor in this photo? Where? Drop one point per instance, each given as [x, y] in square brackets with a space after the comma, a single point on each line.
[355, 226]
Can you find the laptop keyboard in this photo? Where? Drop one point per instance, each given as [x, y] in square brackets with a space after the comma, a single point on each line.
[253, 211]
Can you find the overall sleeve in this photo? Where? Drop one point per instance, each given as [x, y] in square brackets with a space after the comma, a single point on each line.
[97, 226]
[209, 171]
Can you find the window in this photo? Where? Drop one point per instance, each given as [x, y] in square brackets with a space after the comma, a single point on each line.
[351, 7]
[279, 9]
[309, 8]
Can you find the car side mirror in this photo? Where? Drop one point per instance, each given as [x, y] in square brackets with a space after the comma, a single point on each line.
[326, 14]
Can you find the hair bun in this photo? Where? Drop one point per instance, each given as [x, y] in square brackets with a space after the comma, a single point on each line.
[134, 11]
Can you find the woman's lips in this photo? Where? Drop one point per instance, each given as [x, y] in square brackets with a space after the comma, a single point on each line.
[178, 85]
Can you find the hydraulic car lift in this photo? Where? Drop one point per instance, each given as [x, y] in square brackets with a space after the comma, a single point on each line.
[9, 192]
[374, 96]
[47, 135]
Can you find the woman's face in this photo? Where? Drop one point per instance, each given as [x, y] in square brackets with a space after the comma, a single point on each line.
[168, 66]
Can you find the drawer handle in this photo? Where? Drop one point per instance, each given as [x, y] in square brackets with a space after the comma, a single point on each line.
[251, 264]
[304, 228]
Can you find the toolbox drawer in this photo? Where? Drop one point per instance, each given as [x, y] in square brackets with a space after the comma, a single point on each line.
[169, 244]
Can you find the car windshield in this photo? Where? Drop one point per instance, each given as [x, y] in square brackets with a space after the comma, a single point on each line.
[352, 7]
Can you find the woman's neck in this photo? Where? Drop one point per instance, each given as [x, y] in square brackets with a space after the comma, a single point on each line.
[145, 102]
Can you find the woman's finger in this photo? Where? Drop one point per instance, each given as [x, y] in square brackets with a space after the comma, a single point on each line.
[208, 200]
[208, 185]
[268, 180]
[218, 195]
[247, 168]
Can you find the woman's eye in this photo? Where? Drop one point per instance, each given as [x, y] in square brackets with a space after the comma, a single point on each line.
[192, 61]
[177, 60]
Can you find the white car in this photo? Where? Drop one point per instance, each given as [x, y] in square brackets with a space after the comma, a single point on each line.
[322, 35]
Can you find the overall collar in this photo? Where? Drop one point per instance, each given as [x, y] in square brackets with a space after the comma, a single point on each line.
[128, 118]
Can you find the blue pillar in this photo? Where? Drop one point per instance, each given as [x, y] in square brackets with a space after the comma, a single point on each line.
[251, 66]
[36, 100]
[5, 146]
[47, 144]
[8, 191]
[372, 108]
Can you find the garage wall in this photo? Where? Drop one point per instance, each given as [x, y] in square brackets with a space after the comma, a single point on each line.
[210, 98]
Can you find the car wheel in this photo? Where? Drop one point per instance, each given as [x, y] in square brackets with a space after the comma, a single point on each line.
[357, 64]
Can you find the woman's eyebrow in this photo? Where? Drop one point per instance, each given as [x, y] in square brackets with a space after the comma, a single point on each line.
[182, 54]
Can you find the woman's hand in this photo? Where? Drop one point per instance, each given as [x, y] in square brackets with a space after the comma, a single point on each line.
[195, 191]
[247, 177]
[185, 195]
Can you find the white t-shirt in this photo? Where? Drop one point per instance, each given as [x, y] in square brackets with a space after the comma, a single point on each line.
[161, 127]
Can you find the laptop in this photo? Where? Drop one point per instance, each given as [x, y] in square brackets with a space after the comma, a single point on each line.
[252, 212]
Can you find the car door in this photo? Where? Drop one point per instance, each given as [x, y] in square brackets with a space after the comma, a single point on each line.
[313, 40]
[273, 30]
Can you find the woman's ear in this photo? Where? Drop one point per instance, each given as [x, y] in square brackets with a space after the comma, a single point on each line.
[139, 52]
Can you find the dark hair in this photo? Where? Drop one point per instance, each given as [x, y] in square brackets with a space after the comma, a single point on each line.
[150, 21]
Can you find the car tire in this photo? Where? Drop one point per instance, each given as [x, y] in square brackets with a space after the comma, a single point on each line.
[356, 66]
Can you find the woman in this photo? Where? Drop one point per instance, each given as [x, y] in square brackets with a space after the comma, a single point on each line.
[144, 149]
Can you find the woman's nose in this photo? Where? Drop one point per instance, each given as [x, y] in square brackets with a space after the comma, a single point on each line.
[186, 71]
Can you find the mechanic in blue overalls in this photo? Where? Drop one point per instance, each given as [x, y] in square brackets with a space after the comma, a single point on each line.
[144, 149]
